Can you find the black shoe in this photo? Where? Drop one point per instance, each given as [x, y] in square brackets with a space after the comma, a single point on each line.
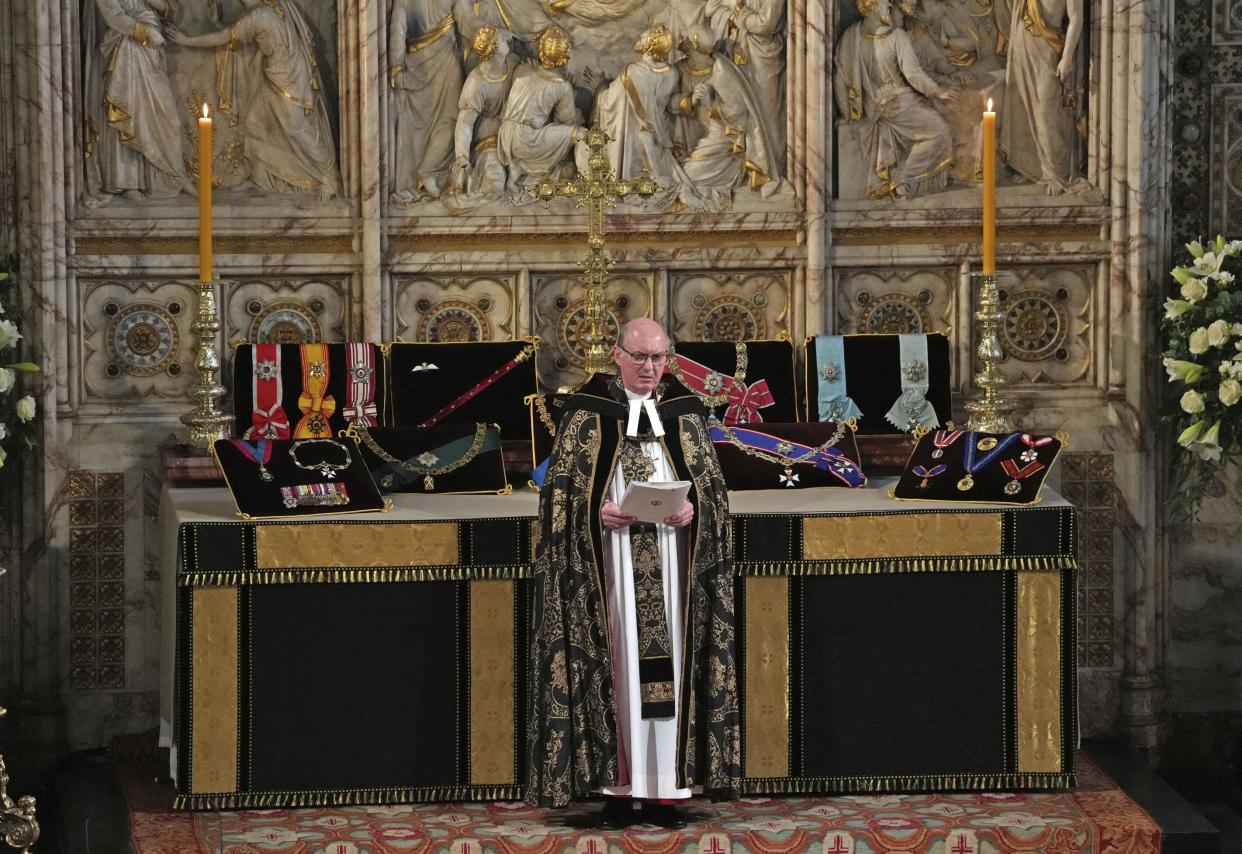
[617, 814]
[664, 815]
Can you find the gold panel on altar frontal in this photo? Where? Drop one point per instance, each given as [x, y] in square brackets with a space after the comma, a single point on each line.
[356, 545]
[213, 697]
[767, 677]
[905, 535]
[492, 748]
[1039, 672]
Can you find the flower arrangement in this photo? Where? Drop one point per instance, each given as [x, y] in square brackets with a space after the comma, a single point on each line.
[17, 410]
[1203, 338]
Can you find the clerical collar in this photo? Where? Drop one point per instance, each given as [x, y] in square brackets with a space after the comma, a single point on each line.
[639, 403]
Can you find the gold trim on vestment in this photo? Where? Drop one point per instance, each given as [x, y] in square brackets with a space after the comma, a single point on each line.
[1039, 671]
[213, 690]
[493, 757]
[352, 545]
[430, 36]
[1033, 21]
[766, 738]
[891, 536]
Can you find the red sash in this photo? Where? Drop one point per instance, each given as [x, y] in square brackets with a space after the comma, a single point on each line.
[267, 418]
[744, 401]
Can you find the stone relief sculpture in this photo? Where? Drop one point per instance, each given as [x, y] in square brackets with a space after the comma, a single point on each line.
[882, 90]
[1021, 54]
[133, 124]
[648, 105]
[287, 136]
[146, 73]
[478, 175]
[756, 30]
[426, 76]
[1045, 111]
[540, 123]
[736, 148]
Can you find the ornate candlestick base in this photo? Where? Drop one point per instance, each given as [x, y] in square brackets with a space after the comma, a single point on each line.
[18, 824]
[992, 413]
[206, 422]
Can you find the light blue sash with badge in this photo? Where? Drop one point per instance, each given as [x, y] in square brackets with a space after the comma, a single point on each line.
[913, 408]
[834, 403]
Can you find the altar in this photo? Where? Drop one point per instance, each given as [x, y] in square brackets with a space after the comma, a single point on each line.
[376, 658]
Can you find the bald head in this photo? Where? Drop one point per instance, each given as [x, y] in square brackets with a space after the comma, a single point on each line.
[640, 354]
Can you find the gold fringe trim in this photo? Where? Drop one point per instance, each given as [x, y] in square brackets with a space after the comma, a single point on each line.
[878, 566]
[346, 797]
[385, 575]
[921, 783]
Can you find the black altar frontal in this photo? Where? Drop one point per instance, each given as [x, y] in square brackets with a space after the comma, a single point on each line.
[378, 658]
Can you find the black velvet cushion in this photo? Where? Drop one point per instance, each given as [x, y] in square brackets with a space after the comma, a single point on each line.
[873, 379]
[770, 362]
[257, 497]
[989, 481]
[744, 470]
[291, 385]
[392, 454]
[428, 378]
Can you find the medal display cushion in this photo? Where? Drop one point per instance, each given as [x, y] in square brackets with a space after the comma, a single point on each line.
[873, 373]
[265, 375]
[798, 455]
[545, 415]
[992, 468]
[296, 477]
[446, 458]
[485, 381]
[740, 383]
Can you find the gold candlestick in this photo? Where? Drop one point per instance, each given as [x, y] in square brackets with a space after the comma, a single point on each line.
[991, 414]
[206, 422]
[596, 192]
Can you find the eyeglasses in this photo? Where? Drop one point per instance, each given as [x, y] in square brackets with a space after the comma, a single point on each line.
[657, 359]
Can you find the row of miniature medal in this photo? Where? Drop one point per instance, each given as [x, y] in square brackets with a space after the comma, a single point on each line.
[991, 448]
[302, 495]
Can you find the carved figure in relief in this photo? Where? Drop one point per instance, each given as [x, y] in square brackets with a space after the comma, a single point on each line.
[287, 136]
[133, 124]
[736, 148]
[1039, 132]
[756, 31]
[880, 88]
[478, 175]
[636, 109]
[540, 122]
[426, 76]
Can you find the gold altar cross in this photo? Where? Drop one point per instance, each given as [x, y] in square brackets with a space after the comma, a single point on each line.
[597, 191]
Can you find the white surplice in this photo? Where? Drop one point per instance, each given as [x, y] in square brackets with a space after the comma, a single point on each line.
[647, 748]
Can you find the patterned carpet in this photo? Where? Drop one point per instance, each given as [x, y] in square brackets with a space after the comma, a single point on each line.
[1097, 817]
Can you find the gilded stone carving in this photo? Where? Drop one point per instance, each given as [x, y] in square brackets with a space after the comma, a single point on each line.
[557, 310]
[286, 311]
[132, 334]
[1046, 330]
[448, 308]
[729, 305]
[895, 301]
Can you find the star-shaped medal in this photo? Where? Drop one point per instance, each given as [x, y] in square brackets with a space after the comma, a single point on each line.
[914, 370]
[830, 372]
[316, 369]
[427, 458]
[265, 369]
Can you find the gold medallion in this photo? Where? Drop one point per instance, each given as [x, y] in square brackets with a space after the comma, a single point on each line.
[965, 484]
[1013, 487]
[987, 443]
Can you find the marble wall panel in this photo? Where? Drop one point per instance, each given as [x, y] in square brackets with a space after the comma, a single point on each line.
[96, 580]
[285, 311]
[453, 308]
[1226, 22]
[895, 300]
[557, 307]
[729, 305]
[1046, 332]
[136, 340]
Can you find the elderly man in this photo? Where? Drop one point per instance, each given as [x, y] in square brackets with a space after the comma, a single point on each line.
[634, 690]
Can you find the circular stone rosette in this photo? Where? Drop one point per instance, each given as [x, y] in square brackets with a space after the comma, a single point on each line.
[454, 321]
[894, 313]
[285, 323]
[1036, 325]
[729, 318]
[569, 330]
[143, 339]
